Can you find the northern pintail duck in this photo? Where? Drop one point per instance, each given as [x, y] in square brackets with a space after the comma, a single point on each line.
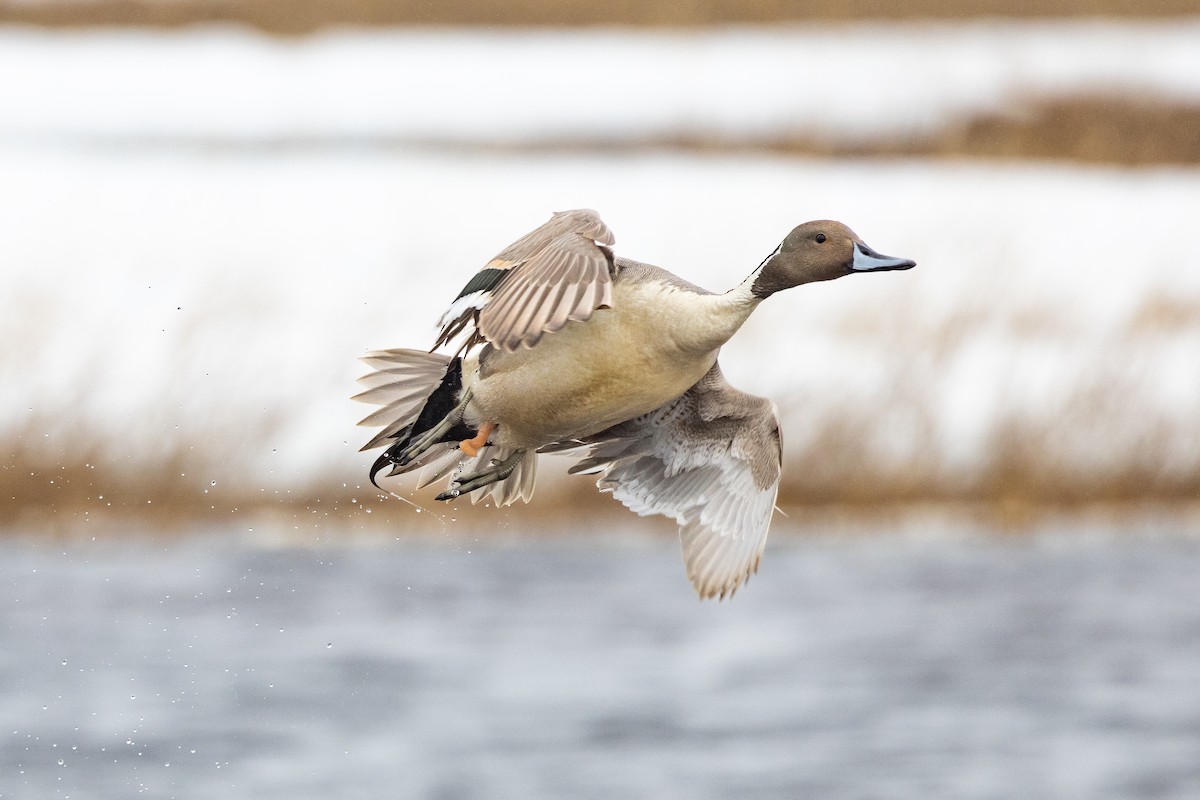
[568, 349]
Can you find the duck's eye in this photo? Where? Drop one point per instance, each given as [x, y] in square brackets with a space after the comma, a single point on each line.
[820, 237]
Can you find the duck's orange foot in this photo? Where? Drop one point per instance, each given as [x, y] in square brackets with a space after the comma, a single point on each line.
[472, 446]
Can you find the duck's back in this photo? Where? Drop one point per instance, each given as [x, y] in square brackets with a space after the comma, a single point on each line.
[635, 272]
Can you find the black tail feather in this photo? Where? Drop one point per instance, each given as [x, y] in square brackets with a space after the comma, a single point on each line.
[439, 404]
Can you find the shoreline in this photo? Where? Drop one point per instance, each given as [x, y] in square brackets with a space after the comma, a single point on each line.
[561, 509]
[309, 16]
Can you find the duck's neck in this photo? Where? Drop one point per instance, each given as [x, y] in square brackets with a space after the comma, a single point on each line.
[752, 287]
[716, 317]
[769, 278]
[744, 294]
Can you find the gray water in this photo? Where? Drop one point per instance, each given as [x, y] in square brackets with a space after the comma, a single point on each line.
[1058, 666]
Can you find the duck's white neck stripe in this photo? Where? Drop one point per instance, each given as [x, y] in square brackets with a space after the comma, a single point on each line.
[743, 293]
[745, 290]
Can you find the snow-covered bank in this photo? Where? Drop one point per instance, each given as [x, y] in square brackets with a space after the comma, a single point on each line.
[849, 82]
[211, 307]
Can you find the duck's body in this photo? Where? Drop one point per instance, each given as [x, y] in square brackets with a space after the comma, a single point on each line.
[571, 350]
[596, 373]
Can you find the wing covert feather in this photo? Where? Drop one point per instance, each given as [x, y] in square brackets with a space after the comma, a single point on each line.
[561, 271]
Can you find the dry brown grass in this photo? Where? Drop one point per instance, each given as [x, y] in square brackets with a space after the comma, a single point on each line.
[1165, 314]
[1110, 129]
[1104, 129]
[47, 479]
[1029, 469]
[1101, 444]
[293, 17]
[1104, 442]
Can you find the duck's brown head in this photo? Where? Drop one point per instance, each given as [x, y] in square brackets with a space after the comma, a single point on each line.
[820, 250]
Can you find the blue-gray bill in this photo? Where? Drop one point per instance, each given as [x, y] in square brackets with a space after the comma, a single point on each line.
[867, 260]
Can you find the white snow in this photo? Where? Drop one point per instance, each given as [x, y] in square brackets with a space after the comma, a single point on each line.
[849, 81]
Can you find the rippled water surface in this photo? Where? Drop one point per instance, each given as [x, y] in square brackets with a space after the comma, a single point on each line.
[583, 667]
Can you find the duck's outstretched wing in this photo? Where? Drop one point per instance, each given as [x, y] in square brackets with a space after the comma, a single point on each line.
[560, 272]
[711, 459]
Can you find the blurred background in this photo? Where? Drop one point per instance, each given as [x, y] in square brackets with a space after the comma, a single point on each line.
[985, 582]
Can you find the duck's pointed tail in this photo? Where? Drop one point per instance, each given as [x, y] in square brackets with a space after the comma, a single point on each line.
[410, 387]
[419, 394]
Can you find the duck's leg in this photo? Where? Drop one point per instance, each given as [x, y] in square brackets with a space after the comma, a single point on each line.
[432, 436]
[472, 446]
[498, 471]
